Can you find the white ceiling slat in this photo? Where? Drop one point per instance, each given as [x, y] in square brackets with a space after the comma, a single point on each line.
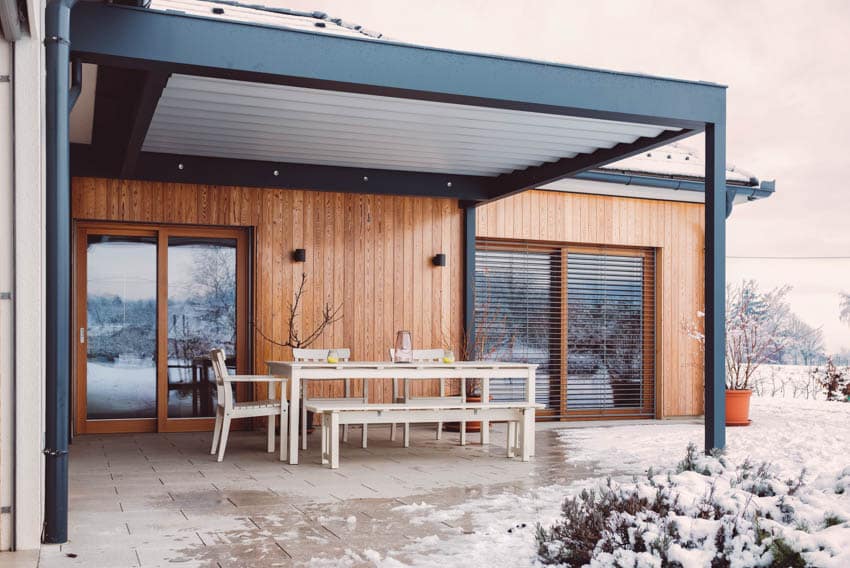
[494, 153]
[242, 118]
[204, 116]
[454, 110]
[411, 111]
[276, 127]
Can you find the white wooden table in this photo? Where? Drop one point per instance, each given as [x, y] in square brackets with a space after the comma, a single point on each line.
[463, 370]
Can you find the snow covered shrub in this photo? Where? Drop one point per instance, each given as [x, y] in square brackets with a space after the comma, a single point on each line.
[833, 381]
[706, 513]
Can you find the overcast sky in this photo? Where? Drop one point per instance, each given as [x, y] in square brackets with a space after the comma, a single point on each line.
[787, 66]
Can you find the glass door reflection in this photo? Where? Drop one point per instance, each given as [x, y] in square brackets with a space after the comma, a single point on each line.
[120, 330]
[201, 316]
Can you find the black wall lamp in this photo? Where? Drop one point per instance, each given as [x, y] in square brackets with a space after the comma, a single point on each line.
[299, 255]
[439, 259]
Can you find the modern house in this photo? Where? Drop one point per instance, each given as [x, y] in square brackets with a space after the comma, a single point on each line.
[172, 170]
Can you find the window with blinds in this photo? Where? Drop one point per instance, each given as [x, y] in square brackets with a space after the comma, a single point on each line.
[610, 334]
[518, 317]
[585, 316]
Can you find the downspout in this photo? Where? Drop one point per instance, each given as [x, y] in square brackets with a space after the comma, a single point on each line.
[58, 271]
[731, 194]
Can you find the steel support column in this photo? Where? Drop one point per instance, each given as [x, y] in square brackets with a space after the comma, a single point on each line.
[715, 286]
[58, 273]
[469, 277]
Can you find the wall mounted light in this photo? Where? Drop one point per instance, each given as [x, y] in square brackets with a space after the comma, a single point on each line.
[439, 259]
[299, 255]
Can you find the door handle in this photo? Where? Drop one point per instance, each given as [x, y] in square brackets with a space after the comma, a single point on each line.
[82, 335]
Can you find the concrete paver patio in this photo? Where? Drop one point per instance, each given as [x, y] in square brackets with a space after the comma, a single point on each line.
[161, 499]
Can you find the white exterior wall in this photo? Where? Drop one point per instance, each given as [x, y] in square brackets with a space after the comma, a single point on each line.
[22, 274]
[7, 394]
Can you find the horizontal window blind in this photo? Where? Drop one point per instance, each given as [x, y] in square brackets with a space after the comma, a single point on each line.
[518, 317]
[610, 334]
[585, 315]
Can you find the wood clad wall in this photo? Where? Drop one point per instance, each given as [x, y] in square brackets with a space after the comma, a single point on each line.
[371, 253]
[674, 229]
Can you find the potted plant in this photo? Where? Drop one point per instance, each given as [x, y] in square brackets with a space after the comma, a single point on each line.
[489, 340]
[757, 331]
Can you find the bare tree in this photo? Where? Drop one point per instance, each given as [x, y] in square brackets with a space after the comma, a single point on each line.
[756, 330]
[844, 307]
[805, 343]
[295, 340]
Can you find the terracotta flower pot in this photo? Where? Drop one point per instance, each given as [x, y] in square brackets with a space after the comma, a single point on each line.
[738, 407]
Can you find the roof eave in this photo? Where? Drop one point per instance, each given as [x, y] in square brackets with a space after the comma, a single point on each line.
[753, 190]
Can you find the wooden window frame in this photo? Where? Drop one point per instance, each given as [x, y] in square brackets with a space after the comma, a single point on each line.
[652, 384]
[162, 232]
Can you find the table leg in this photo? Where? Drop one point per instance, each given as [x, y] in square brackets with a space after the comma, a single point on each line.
[325, 453]
[304, 424]
[527, 434]
[532, 398]
[333, 441]
[485, 399]
[284, 425]
[270, 419]
[294, 413]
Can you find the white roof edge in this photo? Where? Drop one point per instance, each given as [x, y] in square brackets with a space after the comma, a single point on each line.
[677, 160]
[589, 187]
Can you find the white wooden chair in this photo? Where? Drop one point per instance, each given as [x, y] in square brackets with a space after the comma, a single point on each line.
[421, 356]
[321, 356]
[227, 409]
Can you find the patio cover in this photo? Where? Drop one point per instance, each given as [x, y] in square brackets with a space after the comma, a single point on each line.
[205, 99]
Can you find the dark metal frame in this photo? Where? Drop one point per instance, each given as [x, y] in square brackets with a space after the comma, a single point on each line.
[155, 44]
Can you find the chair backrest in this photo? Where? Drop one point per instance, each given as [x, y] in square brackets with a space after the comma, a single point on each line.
[319, 355]
[423, 355]
[223, 391]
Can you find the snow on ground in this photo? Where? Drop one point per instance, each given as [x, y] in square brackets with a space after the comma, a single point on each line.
[788, 381]
[791, 434]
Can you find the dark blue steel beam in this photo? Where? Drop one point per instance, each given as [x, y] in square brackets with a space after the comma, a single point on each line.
[148, 97]
[176, 43]
[88, 161]
[715, 286]
[469, 278]
[529, 178]
[125, 100]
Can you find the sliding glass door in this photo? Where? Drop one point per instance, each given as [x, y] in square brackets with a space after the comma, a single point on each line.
[151, 303]
[585, 315]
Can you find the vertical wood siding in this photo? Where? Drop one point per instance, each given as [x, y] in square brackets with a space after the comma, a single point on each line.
[674, 229]
[372, 253]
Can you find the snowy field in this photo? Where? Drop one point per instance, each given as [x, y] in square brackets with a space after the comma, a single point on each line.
[792, 434]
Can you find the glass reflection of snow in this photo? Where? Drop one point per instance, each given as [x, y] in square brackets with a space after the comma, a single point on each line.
[201, 316]
[121, 330]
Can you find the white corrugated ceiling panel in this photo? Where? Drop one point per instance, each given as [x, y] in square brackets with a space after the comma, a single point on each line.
[234, 119]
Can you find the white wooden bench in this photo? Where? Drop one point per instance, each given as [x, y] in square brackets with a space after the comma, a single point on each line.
[518, 415]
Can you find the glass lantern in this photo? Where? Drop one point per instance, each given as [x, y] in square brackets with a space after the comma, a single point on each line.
[403, 347]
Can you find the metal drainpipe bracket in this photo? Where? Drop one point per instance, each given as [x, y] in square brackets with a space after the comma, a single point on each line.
[5, 295]
[52, 452]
